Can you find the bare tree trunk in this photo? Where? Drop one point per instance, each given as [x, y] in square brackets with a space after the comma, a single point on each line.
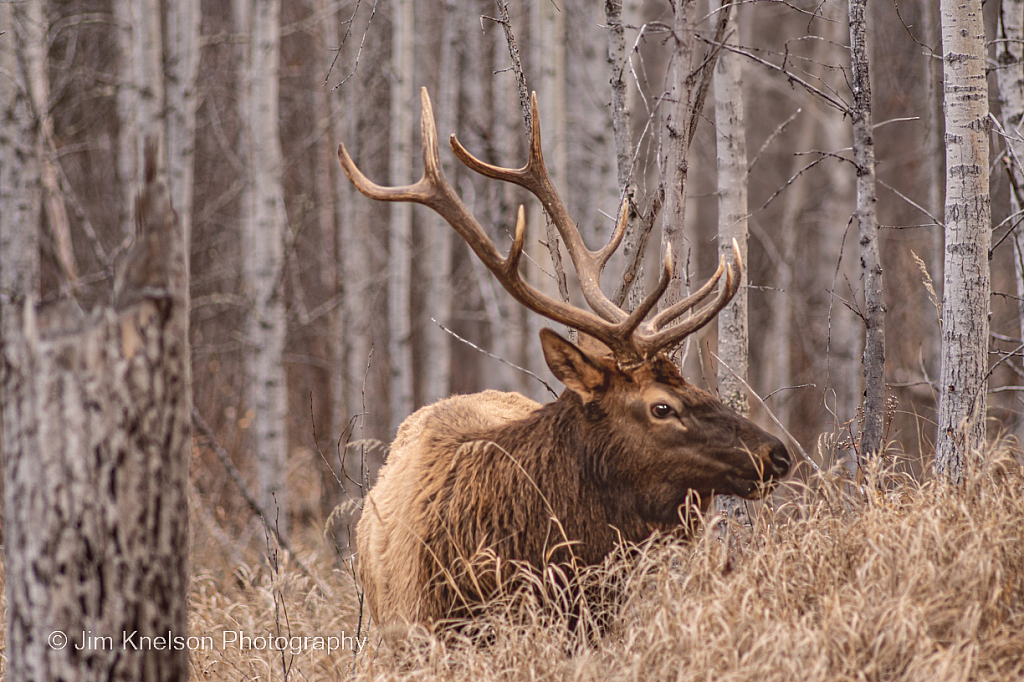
[678, 102]
[183, 20]
[438, 239]
[140, 90]
[867, 223]
[732, 218]
[731, 140]
[96, 513]
[618, 64]
[263, 222]
[20, 201]
[548, 60]
[513, 332]
[935, 162]
[966, 283]
[400, 233]
[36, 23]
[1010, 77]
[843, 368]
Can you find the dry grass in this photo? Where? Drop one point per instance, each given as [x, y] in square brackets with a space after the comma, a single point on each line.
[879, 578]
[885, 580]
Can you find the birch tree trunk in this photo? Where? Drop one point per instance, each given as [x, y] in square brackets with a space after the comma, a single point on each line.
[400, 232]
[548, 58]
[867, 225]
[731, 143]
[438, 239]
[263, 222]
[678, 100]
[140, 90]
[966, 284]
[732, 218]
[1010, 77]
[37, 26]
[20, 201]
[935, 161]
[99, 445]
[183, 25]
[618, 64]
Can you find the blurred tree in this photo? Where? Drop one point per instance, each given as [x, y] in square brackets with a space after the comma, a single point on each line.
[732, 213]
[20, 199]
[403, 98]
[96, 512]
[438, 236]
[262, 241]
[731, 139]
[1010, 79]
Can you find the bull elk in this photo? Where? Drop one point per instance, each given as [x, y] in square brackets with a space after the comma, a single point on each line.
[614, 458]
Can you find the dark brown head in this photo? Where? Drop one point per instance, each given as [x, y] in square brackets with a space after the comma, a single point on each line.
[664, 437]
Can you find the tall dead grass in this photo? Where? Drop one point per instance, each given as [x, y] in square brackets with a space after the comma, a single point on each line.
[873, 577]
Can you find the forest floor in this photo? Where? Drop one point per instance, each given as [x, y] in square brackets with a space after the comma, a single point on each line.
[877, 577]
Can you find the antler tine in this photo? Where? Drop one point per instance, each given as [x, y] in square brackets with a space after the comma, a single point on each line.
[534, 178]
[651, 343]
[618, 233]
[516, 250]
[674, 311]
[640, 312]
[427, 189]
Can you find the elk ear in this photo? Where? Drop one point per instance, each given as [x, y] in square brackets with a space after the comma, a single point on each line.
[571, 365]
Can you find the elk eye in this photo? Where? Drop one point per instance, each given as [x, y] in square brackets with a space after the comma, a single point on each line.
[662, 411]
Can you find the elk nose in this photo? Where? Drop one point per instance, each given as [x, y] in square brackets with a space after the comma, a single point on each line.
[780, 458]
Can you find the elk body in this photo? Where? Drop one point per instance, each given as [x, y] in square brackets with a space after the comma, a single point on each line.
[496, 478]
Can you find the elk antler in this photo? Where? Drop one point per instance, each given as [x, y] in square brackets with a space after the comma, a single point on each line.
[629, 338]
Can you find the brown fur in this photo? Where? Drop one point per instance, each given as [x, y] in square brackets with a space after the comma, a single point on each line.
[484, 475]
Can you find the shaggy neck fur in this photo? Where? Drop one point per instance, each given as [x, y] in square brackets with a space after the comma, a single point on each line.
[529, 491]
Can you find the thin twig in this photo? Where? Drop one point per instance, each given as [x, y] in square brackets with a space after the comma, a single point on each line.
[498, 358]
[771, 414]
[253, 503]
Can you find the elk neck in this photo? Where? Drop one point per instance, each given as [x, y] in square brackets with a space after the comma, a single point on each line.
[571, 460]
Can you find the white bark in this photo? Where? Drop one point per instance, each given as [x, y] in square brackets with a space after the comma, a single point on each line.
[548, 58]
[966, 283]
[438, 238]
[513, 329]
[183, 20]
[867, 224]
[732, 219]
[400, 228]
[263, 259]
[140, 91]
[618, 65]
[20, 199]
[36, 24]
[935, 162]
[1010, 77]
[677, 107]
[731, 142]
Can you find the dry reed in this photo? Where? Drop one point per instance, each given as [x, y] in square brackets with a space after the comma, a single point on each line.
[873, 577]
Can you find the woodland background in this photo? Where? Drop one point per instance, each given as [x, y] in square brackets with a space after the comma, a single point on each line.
[316, 314]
